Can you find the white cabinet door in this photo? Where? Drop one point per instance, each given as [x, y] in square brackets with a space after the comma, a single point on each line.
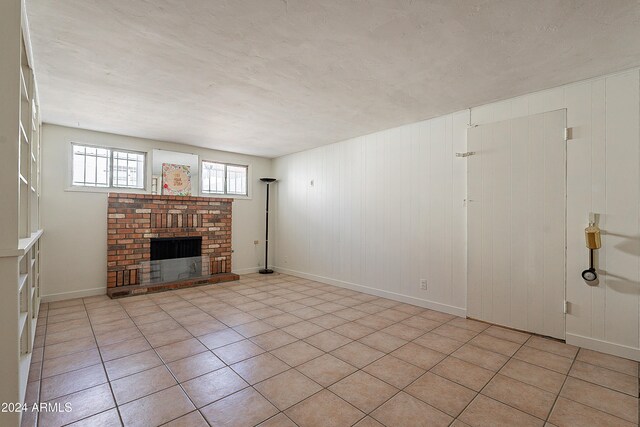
[516, 223]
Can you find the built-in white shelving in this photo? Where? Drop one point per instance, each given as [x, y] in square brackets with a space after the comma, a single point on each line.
[20, 210]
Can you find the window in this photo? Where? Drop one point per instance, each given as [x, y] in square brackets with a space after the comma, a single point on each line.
[222, 178]
[106, 167]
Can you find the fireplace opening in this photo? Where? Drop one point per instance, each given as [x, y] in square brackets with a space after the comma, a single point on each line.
[175, 247]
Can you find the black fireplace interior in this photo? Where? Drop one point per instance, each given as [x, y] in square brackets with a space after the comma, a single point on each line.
[171, 248]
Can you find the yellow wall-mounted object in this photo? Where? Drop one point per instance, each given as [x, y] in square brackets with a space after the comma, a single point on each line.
[592, 237]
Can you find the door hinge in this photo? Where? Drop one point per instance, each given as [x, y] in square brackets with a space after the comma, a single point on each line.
[567, 134]
[467, 154]
[565, 307]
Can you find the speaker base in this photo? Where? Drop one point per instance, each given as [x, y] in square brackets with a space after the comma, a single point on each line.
[265, 271]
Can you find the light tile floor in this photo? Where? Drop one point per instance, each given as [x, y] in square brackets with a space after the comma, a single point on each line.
[285, 351]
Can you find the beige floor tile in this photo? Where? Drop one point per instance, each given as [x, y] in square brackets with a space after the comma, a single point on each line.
[252, 329]
[382, 342]
[205, 328]
[417, 355]
[601, 398]
[65, 336]
[327, 340]
[350, 314]
[524, 397]
[168, 337]
[353, 330]
[328, 321]
[220, 338]
[368, 422]
[232, 320]
[142, 384]
[545, 359]
[486, 412]
[445, 395]
[213, 386]
[507, 334]
[453, 332]
[496, 345]
[375, 322]
[605, 377]
[303, 329]
[438, 343]
[472, 325]
[84, 404]
[357, 354]
[71, 382]
[124, 348]
[464, 373]
[180, 350]
[238, 351]
[363, 391]
[324, 409]
[225, 412]
[552, 346]
[394, 371]
[259, 368]
[567, 413]
[274, 339]
[132, 364]
[108, 418]
[437, 316]
[156, 409]
[308, 313]
[263, 313]
[297, 353]
[65, 348]
[194, 366]
[282, 320]
[192, 419]
[545, 379]
[326, 369]
[280, 420]
[419, 322]
[288, 388]
[402, 331]
[70, 362]
[481, 357]
[625, 366]
[407, 411]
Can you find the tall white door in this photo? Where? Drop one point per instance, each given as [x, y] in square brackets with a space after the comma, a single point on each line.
[516, 223]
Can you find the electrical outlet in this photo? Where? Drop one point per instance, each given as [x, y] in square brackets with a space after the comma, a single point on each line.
[286, 259]
[423, 284]
[255, 242]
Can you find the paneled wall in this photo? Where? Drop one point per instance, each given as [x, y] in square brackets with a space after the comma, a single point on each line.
[603, 176]
[382, 211]
[379, 213]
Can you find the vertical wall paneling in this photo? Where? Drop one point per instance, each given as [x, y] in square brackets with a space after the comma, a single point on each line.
[602, 176]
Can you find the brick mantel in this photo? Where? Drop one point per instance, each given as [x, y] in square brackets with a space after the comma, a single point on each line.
[134, 219]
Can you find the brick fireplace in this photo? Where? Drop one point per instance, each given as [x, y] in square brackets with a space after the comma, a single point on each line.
[134, 220]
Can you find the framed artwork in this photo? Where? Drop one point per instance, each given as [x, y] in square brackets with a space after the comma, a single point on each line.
[176, 180]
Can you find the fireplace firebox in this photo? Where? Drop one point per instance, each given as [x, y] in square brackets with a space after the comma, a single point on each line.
[175, 247]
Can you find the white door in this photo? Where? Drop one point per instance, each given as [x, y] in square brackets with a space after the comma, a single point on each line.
[516, 223]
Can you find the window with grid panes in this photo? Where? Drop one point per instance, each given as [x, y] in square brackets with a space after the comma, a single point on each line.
[224, 179]
[106, 167]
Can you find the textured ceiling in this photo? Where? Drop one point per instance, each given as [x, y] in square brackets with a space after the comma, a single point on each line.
[271, 77]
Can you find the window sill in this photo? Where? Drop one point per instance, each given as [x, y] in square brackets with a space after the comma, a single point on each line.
[226, 196]
[78, 189]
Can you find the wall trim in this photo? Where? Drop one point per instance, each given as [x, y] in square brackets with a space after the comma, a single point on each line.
[449, 309]
[603, 346]
[74, 294]
[246, 270]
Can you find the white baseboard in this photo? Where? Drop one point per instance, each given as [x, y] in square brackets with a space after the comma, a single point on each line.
[456, 311]
[74, 294]
[604, 346]
[246, 270]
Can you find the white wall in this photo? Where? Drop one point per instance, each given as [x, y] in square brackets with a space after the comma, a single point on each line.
[74, 246]
[387, 209]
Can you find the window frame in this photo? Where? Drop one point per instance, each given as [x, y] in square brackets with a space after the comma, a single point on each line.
[110, 163]
[247, 168]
